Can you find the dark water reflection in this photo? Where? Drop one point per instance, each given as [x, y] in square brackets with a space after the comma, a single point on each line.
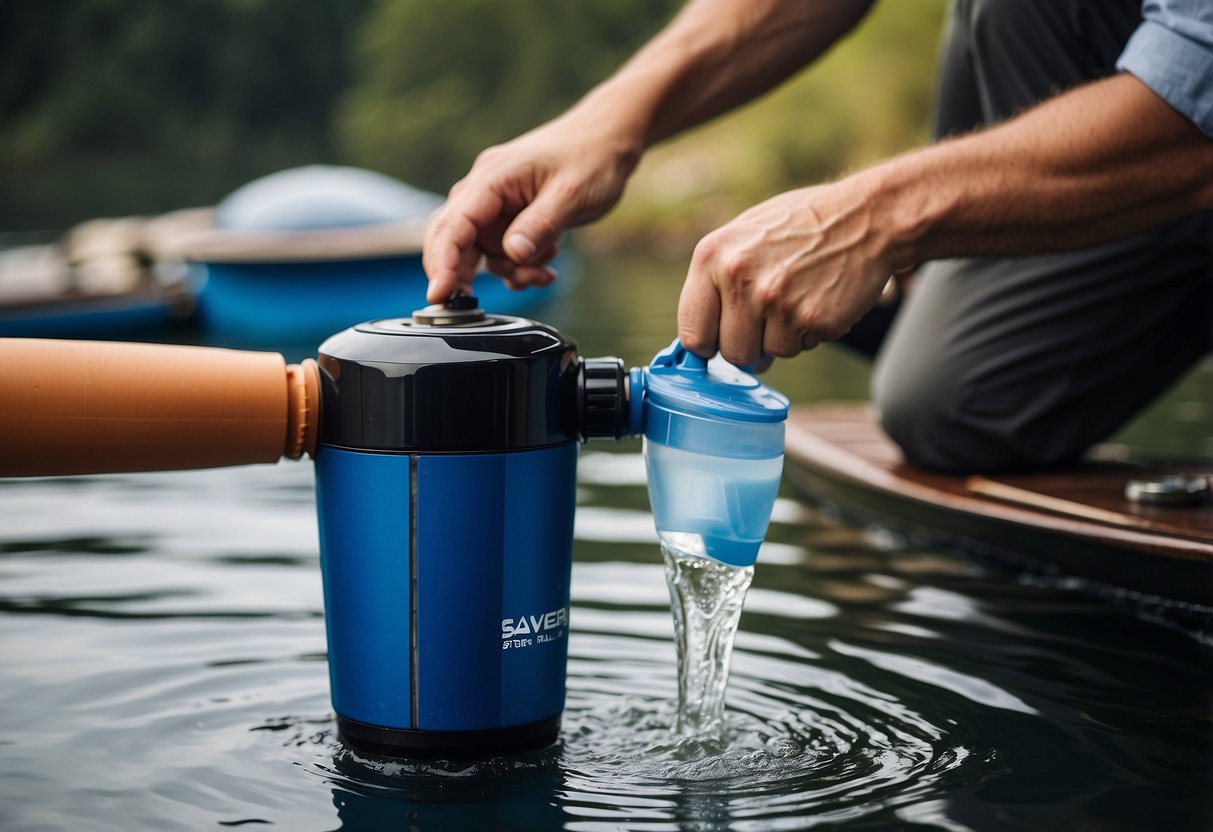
[162, 657]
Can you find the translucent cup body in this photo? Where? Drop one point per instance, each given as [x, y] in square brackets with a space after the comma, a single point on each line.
[711, 505]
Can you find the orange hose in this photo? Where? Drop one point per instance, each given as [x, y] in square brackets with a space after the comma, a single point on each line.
[88, 407]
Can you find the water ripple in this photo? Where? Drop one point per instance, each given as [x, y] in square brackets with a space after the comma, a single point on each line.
[800, 742]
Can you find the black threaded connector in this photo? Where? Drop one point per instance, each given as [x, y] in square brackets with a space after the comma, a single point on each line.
[604, 399]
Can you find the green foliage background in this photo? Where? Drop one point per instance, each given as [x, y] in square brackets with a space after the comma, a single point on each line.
[439, 82]
[110, 107]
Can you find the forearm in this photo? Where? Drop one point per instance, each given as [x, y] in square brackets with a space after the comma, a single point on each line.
[713, 56]
[1099, 162]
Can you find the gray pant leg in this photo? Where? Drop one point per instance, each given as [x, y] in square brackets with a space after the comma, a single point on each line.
[998, 57]
[996, 364]
[1002, 56]
[1028, 362]
[1005, 363]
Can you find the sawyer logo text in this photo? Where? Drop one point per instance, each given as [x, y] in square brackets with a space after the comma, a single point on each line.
[543, 626]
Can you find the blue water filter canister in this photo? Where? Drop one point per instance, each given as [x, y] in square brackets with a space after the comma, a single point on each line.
[445, 488]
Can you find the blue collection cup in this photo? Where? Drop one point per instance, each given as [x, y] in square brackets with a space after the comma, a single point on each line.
[713, 449]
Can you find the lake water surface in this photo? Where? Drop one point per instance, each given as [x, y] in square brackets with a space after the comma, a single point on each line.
[162, 657]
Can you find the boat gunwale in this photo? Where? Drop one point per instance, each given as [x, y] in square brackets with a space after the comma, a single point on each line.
[803, 444]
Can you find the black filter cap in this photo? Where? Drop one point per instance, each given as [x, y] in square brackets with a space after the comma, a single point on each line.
[453, 380]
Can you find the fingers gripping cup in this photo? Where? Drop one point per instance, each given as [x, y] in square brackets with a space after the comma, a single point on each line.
[713, 447]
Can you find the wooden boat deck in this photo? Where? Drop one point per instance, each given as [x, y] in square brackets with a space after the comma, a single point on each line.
[1075, 520]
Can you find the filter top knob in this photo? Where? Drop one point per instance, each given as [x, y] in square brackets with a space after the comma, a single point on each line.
[460, 308]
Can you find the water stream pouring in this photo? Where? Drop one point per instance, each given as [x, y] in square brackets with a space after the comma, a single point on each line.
[446, 449]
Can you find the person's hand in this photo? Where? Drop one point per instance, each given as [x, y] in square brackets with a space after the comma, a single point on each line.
[518, 197]
[790, 272]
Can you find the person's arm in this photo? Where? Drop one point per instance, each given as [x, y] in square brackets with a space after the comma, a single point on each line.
[717, 54]
[1096, 163]
[518, 197]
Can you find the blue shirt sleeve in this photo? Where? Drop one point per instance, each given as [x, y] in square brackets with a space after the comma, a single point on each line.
[1171, 52]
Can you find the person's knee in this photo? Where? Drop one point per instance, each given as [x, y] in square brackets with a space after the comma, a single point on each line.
[927, 410]
[915, 410]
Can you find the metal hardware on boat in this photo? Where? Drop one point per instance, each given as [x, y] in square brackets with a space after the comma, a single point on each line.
[1177, 490]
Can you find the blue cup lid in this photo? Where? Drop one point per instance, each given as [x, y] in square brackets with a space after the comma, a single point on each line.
[680, 381]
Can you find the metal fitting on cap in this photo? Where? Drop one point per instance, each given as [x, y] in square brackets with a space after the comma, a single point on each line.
[460, 308]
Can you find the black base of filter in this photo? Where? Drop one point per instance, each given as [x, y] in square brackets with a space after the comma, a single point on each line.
[401, 742]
